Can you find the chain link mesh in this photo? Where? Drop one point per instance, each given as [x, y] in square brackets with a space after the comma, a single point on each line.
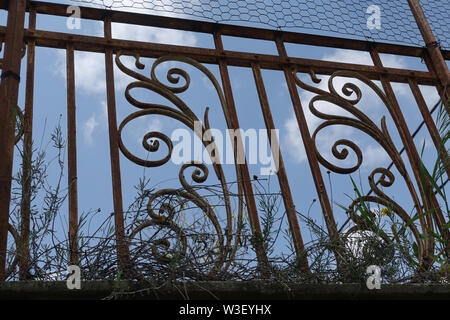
[437, 13]
[345, 17]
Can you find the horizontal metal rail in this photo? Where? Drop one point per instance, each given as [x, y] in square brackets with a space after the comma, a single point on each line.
[240, 59]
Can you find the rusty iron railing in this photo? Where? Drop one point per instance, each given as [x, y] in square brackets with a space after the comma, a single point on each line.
[14, 35]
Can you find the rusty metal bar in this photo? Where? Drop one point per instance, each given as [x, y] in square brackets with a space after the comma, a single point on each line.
[122, 248]
[9, 91]
[309, 148]
[24, 254]
[400, 123]
[72, 156]
[432, 45]
[233, 123]
[281, 172]
[431, 126]
[439, 88]
[241, 59]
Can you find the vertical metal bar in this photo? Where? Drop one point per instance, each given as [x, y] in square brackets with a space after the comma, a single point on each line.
[431, 126]
[433, 49]
[428, 62]
[444, 95]
[9, 92]
[281, 172]
[72, 155]
[24, 254]
[309, 147]
[233, 123]
[122, 248]
[439, 88]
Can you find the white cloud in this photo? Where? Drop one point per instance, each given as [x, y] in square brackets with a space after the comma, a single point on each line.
[143, 126]
[401, 89]
[88, 129]
[324, 140]
[90, 70]
[155, 125]
[294, 140]
[349, 56]
[94, 121]
[90, 67]
[430, 95]
[374, 156]
[393, 61]
[362, 57]
[155, 35]
[104, 111]
[357, 240]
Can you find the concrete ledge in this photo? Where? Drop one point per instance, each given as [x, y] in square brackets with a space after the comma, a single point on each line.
[253, 290]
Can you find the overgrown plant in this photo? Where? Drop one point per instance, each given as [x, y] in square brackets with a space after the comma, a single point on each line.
[433, 183]
[378, 238]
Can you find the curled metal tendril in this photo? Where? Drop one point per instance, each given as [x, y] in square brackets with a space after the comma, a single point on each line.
[348, 89]
[341, 155]
[386, 179]
[359, 120]
[149, 142]
[165, 216]
[173, 76]
[180, 81]
[181, 113]
[199, 175]
[163, 242]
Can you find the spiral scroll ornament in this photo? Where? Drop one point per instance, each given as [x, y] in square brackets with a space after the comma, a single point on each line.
[151, 142]
[348, 100]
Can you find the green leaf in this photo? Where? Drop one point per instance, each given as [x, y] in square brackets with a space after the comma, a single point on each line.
[436, 236]
[410, 222]
[431, 180]
[446, 226]
[415, 249]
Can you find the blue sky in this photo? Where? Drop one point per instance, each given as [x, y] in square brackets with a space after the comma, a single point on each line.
[94, 177]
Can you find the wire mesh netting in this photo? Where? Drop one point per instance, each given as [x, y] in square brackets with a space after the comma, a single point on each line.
[437, 13]
[345, 17]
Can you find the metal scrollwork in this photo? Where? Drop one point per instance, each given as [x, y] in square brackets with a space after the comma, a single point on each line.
[349, 97]
[360, 121]
[180, 81]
